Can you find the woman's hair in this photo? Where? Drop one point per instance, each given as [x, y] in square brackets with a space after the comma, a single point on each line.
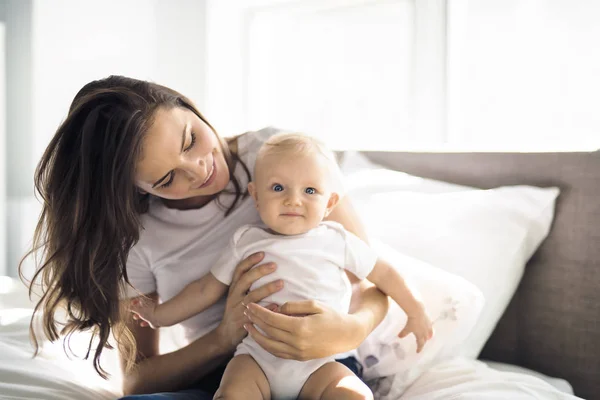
[91, 209]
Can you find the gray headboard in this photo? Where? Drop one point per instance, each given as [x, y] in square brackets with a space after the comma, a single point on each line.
[552, 324]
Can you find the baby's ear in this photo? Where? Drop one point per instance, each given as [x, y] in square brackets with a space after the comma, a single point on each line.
[334, 199]
[252, 191]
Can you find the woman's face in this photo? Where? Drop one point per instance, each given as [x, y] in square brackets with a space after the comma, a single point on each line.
[181, 157]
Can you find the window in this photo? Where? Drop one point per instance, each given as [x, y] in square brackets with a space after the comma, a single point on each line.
[342, 70]
[384, 74]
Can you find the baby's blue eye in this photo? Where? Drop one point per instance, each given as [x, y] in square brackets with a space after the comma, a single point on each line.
[310, 190]
[277, 187]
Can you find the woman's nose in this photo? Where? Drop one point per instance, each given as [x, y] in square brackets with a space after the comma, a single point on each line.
[196, 169]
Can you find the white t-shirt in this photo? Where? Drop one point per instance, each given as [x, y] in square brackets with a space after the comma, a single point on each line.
[311, 265]
[177, 247]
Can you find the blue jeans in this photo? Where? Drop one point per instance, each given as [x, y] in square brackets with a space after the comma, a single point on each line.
[188, 394]
[206, 388]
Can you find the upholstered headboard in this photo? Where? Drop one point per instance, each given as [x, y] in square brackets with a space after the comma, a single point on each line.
[552, 324]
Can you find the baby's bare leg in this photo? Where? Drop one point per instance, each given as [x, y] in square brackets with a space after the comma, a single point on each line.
[336, 382]
[243, 379]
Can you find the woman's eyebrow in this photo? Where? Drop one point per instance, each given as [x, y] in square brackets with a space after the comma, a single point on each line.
[183, 135]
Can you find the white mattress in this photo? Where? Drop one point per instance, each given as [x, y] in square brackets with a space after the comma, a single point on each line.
[52, 376]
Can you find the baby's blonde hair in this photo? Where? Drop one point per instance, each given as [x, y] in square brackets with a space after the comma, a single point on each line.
[295, 144]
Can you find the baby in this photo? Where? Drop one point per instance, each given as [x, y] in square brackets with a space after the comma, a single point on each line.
[294, 190]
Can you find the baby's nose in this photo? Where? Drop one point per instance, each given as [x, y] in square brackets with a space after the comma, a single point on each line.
[293, 200]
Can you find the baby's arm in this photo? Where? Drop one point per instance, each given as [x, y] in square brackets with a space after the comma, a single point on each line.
[193, 299]
[389, 281]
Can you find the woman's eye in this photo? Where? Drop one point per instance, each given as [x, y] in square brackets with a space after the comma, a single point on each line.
[192, 143]
[168, 183]
[277, 187]
[310, 190]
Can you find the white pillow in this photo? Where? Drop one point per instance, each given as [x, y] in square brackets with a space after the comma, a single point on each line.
[484, 236]
[453, 304]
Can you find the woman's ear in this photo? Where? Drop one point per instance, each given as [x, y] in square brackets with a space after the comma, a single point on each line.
[334, 199]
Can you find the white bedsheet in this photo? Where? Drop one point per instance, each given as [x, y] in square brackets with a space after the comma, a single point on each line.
[560, 384]
[53, 377]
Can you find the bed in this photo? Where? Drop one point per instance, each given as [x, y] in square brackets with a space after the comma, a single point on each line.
[551, 325]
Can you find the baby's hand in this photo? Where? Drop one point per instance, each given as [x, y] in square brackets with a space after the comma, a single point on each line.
[419, 324]
[143, 310]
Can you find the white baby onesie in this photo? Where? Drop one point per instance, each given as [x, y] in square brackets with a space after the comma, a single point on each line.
[311, 266]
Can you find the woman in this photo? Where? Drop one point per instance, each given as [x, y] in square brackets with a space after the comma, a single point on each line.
[140, 197]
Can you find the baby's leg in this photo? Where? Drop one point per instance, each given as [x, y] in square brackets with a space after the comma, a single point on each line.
[334, 381]
[243, 379]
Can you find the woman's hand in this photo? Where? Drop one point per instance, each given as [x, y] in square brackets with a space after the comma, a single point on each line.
[231, 329]
[304, 330]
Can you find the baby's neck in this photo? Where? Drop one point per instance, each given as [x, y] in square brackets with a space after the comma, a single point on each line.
[273, 232]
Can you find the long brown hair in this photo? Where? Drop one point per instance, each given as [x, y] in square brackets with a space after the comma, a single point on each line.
[91, 209]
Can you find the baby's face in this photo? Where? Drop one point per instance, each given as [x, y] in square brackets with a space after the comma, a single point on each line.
[292, 192]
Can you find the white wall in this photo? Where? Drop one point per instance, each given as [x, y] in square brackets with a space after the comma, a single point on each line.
[3, 269]
[19, 94]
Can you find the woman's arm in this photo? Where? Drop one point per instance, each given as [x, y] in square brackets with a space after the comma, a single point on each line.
[193, 299]
[155, 372]
[369, 305]
[322, 332]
